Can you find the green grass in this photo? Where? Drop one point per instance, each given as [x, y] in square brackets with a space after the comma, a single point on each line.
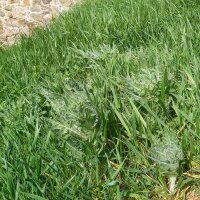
[83, 102]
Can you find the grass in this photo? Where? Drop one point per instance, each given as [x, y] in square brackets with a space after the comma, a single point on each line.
[83, 102]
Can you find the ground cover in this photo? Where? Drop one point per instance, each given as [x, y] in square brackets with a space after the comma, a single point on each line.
[104, 104]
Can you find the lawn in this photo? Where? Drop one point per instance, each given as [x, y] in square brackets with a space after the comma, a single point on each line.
[104, 104]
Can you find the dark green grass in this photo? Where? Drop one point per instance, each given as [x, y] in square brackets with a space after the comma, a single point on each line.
[83, 101]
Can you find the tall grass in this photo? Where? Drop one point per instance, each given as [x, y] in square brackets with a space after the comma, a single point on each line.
[84, 102]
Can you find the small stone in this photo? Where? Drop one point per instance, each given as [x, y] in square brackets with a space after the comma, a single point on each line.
[34, 2]
[19, 12]
[2, 37]
[37, 16]
[2, 14]
[8, 8]
[46, 12]
[22, 22]
[12, 23]
[46, 1]
[9, 15]
[35, 8]
[12, 1]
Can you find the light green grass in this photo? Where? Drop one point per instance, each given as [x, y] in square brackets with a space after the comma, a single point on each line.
[83, 102]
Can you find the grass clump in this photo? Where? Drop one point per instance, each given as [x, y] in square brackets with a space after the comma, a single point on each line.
[83, 101]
